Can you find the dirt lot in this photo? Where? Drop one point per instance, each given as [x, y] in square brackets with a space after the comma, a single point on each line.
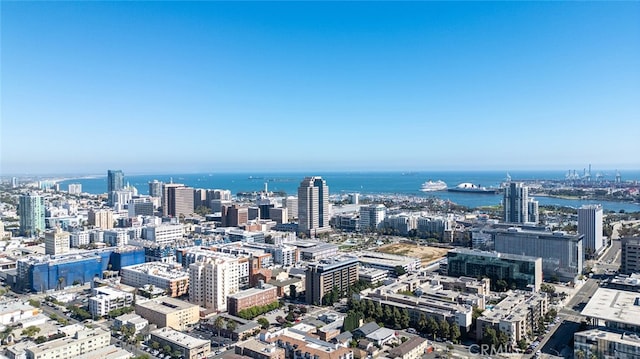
[426, 254]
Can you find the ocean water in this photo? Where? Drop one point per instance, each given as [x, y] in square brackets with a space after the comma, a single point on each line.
[401, 183]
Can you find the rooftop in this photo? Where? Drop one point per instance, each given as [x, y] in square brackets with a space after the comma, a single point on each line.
[252, 291]
[479, 253]
[108, 352]
[614, 305]
[166, 305]
[159, 269]
[179, 338]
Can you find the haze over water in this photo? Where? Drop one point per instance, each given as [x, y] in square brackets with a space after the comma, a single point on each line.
[401, 183]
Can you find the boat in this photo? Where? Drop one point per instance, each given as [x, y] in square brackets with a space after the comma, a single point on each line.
[467, 187]
[431, 186]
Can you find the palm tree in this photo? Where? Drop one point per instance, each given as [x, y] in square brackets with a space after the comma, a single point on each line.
[218, 324]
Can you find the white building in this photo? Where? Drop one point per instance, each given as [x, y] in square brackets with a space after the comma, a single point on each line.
[163, 234]
[56, 242]
[75, 188]
[81, 238]
[590, 225]
[372, 216]
[130, 320]
[606, 344]
[76, 344]
[170, 277]
[212, 280]
[16, 312]
[106, 299]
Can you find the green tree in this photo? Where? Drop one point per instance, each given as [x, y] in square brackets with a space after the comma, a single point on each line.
[30, 331]
[432, 327]
[155, 345]
[443, 329]
[399, 270]
[454, 332]
[422, 323]
[167, 349]
[404, 318]
[490, 336]
[264, 322]
[41, 339]
[231, 326]
[218, 324]
[522, 344]
[202, 210]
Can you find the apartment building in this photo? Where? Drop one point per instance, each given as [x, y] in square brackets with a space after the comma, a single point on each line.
[606, 344]
[168, 276]
[263, 294]
[169, 312]
[190, 347]
[323, 276]
[74, 345]
[516, 315]
[106, 299]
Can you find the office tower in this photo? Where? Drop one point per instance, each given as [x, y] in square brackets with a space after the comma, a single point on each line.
[31, 213]
[56, 242]
[176, 200]
[75, 188]
[200, 198]
[590, 225]
[101, 218]
[533, 211]
[516, 204]
[212, 280]
[115, 180]
[322, 277]
[140, 207]
[313, 206]
[630, 258]
[520, 271]
[372, 216]
[155, 188]
[562, 254]
[291, 204]
[235, 215]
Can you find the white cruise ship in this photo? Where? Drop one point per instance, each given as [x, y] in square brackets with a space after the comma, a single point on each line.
[431, 186]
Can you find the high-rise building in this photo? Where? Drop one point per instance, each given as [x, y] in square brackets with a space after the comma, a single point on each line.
[234, 215]
[322, 277]
[176, 200]
[31, 213]
[155, 188]
[313, 206]
[517, 204]
[291, 204]
[56, 242]
[630, 258]
[212, 280]
[75, 188]
[115, 180]
[590, 225]
[561, 253]
[14, 182]
[101, 218]
[372, 216]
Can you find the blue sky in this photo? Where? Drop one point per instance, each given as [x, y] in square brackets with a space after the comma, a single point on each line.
[206, 86]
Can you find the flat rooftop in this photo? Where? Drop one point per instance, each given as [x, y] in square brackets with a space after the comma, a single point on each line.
[614, 305]
[166, 305]
[251, 291]
[179, 338]
[108, 352]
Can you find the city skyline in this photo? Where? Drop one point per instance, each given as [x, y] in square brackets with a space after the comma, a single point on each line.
[198, 87]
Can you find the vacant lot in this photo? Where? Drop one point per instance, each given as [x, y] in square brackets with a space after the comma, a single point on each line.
[426, 254]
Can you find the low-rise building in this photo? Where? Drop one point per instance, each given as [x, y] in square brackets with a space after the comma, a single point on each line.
[169, 312]
[617, 309]
[16, 312]
[372, 275]
[516, 315]
[413, 348]
[106, 299]
[298, 345]
[131, 320]
[108, 352]
[257, 349]
[72, 346]
[190, 347]
[606, 344]
[263, 294]
[388, 262]
[168, 276]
